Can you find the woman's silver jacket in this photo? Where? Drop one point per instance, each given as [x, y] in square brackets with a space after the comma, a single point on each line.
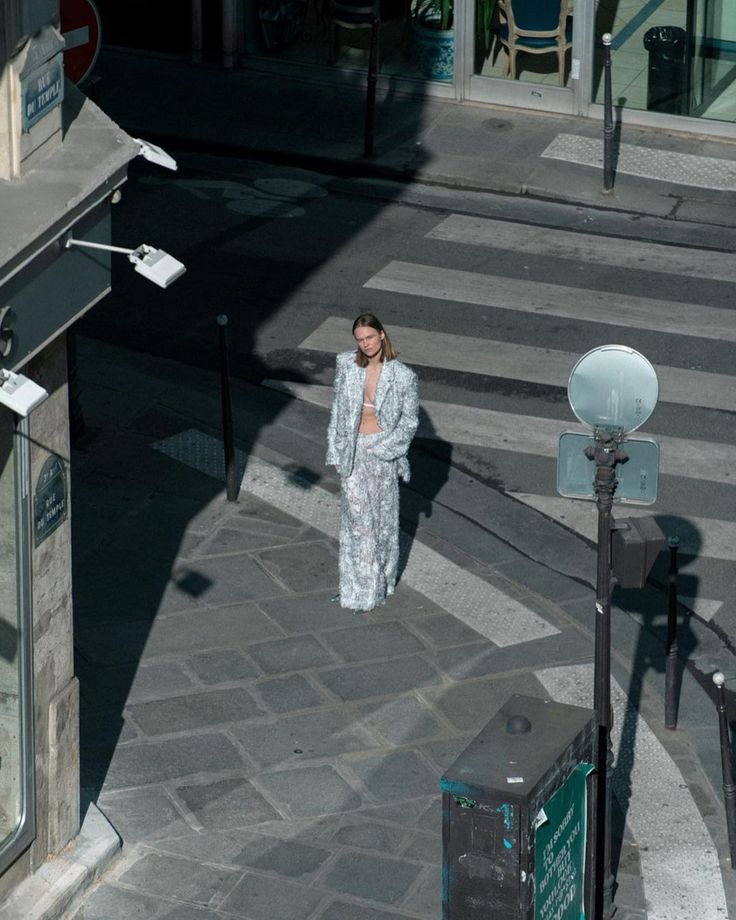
[396, 402]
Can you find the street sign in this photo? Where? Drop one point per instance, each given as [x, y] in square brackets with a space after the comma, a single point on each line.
[80, 26]
[636, 480]
[41, 91]
[613, 387]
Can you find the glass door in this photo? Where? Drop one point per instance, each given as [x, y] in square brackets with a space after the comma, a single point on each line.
[712, 27]
[525, 53]
[16, 744]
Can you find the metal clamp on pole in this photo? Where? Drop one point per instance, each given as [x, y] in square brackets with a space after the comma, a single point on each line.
[607, 115]
[231, 472]
[729, 789]
[670, 688]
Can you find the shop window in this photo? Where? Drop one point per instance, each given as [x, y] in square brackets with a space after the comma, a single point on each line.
[16, 754]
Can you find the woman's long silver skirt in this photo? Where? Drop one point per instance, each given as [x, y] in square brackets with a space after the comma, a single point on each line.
[369, 529]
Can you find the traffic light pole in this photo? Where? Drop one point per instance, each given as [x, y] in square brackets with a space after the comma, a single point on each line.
[606, 454]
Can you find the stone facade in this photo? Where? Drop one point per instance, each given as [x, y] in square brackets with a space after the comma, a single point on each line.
[56, 690]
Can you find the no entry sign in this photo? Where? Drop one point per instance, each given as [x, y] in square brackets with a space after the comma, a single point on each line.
[80, 26]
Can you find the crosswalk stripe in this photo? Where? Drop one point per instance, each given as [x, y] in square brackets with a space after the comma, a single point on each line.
[541, 299]
[521, 362]
[710, 537]
[680, 868]
[585, 247]
[485, 608]
[704, 460]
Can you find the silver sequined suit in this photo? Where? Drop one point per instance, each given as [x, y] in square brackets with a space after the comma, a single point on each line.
[369, 467]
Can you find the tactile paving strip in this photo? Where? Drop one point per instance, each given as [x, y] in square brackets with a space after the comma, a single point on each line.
[662, 165]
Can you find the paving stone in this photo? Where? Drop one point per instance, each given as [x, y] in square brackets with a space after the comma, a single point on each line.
[445, 630]
[368, 835]
[155, 589]
[425, 847]
[312, 734]
[307, 613]
[309, 791]
[380, 678]
[444, 753]
[260, 897]
[347, 910]
[404, 814]
[402, 720]
[464, 662]
[237, 577]
[161, 874]
[426, 900]
[223, 627]
[377, 640]
[108, 902]
[471, 704]
[283, 857]
[288, 694]
[194, 710]
[297, 654]
[231, 802]
[143, 814]
[302, 566]
[243, 847]
[140, 763]
[254, 514]
[397, 776]
[222, 666]
[375, 878]
[157, 679]
[544, 581]
[431, 819]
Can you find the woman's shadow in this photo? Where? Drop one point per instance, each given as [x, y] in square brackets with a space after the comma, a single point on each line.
[430, 458]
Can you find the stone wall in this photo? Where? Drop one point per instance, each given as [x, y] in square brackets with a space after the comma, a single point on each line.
[56, 690]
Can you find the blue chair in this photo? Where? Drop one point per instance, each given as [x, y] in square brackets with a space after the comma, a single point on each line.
[536, 27]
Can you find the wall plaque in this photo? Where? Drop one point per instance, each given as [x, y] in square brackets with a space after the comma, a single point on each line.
[50, 502]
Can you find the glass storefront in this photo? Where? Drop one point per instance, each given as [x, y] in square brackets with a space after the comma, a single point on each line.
[671, 57]
[16, 777]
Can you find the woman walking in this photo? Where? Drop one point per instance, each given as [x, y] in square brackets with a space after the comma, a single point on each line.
[373, 419]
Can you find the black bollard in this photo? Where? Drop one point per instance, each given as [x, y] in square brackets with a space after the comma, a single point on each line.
[607, 115]
[670, 688]
[729, 789]
[370, 99]
[231, 473]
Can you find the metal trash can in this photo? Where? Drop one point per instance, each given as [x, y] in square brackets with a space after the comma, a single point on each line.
[508, 784]
[667, 72]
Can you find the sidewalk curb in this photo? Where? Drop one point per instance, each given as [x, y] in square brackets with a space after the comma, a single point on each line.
[50, 892]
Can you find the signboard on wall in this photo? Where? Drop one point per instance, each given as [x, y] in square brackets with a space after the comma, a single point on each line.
[50, 506]
[559, 855]
[41, 91]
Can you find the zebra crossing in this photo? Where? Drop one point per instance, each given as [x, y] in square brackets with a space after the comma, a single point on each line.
[688, 465]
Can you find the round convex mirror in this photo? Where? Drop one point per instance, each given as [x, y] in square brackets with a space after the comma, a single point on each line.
[613, 386]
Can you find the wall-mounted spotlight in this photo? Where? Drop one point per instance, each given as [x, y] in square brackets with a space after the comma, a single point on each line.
[155, 154]
[155, 264]
[19, 393]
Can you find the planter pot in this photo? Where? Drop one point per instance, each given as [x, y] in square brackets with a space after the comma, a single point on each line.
[435, 52]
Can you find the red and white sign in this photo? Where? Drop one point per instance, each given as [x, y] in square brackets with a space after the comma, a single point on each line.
[80, 26]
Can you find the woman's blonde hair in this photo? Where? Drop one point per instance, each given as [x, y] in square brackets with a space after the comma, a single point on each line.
[387, 349]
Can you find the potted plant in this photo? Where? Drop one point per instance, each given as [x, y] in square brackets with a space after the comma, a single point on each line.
[434, 36]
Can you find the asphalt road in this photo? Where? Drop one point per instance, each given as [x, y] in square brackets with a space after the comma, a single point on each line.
[491, 298]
